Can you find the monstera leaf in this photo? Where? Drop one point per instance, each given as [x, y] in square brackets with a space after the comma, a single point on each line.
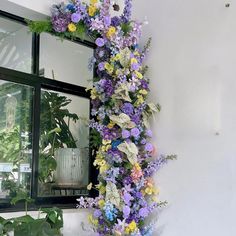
[131, 151]
[112, 194]
[122, 120]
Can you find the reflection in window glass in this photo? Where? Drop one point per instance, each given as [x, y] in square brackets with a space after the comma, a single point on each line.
[15, 46]
[15, 139]
[64, 143]
[65, 60]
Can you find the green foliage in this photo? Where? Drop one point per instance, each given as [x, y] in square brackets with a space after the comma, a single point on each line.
[126, 28]
[47, 164]
[10, 147]
[53, 115]
[95, 139]
[28, 226]
[55, 131]
[54, 217]
[39, 26]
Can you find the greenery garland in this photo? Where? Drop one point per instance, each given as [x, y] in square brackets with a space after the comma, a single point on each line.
[125, 156]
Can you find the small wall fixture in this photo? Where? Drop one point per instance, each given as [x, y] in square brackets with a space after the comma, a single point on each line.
[227, 5]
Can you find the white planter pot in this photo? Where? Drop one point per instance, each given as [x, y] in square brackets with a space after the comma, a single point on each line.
[72, 166]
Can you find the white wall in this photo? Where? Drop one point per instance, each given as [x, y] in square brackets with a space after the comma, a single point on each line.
[193, 77]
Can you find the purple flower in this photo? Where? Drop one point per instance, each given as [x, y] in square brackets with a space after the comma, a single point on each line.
[143, 141]
[143, 212]
[115, 21]
[135, 132]
[125, 134]
[135, 66]
[154, 166]
[101, 66]
[128, 108]
[109, 89]
[127, 180]
[127, 198]
[107, 21]
[97, 213]
[144, 84]
[136, 118]
[149, 133]
[127, 11]
[100, 42]
[60, 22]
[126, 211]
[148, 147]
[75, 17]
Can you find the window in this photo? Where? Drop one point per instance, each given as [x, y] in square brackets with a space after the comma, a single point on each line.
[15, 45]
[44, 123]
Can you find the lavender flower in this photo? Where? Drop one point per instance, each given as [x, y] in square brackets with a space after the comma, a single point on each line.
[143, 212]
[97, 213]
[75, 17]
[127, 11]
[148, 147]
[128, 108]
[60, 22]
[100, 42]
[135, 132]
[115, 21]
[154, 166]
[125, 134]
[126, 211]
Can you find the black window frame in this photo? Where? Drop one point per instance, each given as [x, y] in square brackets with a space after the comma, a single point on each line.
[38, 83]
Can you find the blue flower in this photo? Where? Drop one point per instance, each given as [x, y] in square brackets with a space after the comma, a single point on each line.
[70, 7]
[110, 211]
[116, 143]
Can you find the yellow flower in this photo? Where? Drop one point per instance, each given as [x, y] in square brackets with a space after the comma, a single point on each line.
[103, 148]
[72, 27]
[131, 227]
[89, 187]
[101, 203]
[143, 91]
[102, 163]
[102, 189]
[92, 10]
[149, 190]
[140, 100]
[139, 75]
[103, 168]
[93, 2]
[155, 199]
[105, 142]
[109, 68]
[133, 60]
[111, 31]
[92, 220]
[117, 57]
[111, 125]
[93, 94]
[137, 166]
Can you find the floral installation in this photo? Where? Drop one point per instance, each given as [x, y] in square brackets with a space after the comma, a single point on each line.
[125, 156]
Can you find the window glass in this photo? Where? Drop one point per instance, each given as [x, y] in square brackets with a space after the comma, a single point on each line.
[64, 144]
[15, 46]
[65, 60]
[15, 139]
